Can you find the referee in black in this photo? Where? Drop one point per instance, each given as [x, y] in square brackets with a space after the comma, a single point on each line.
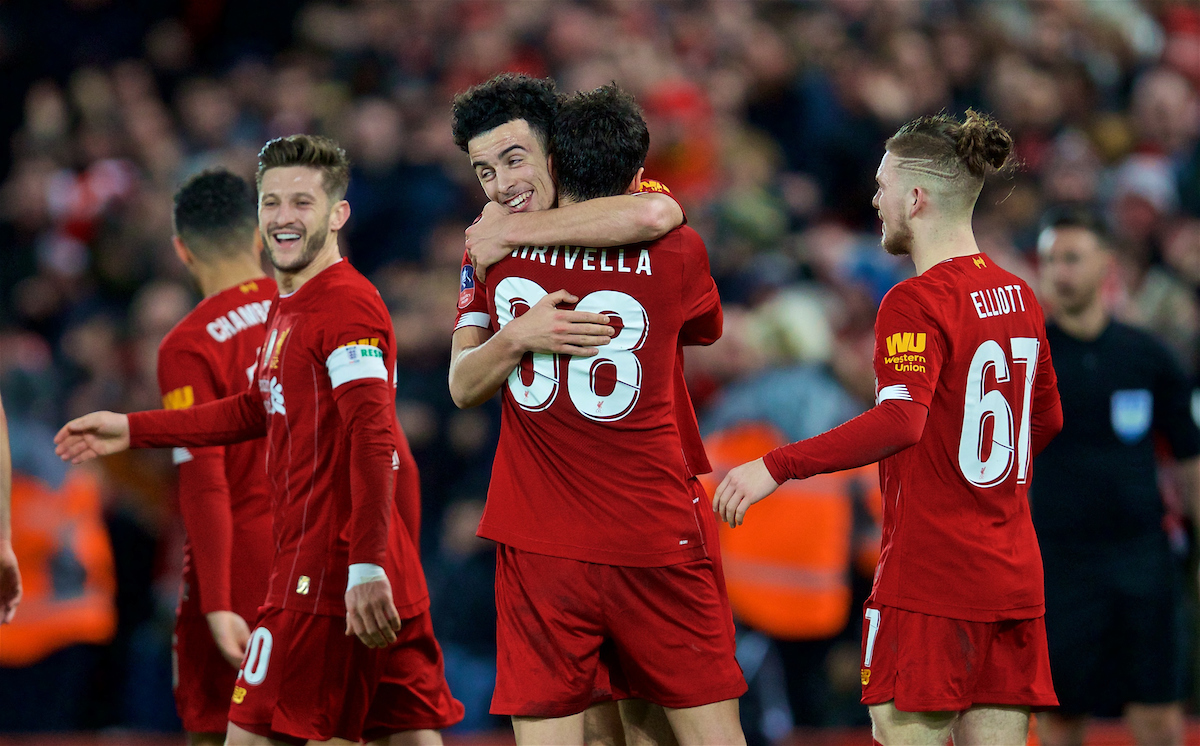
[1114, 586]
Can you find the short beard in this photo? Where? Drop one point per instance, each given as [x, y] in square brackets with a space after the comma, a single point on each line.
[312, 246]
[899, 241]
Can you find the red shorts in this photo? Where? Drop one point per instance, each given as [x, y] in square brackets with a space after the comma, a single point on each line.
[203, 678]
[609, 688]
[303, 679]
[662, 626]
[934, 664]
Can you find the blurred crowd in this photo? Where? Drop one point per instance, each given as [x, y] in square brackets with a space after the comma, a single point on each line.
[767, 121]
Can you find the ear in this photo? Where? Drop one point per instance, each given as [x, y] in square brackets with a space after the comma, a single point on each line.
[258, 243]
[339, 216]
[636, 184]
[181, 250]
[918, 201]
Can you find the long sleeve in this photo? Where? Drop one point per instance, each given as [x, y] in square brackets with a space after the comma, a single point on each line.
[365, 410]
[230, 420]
[879, 432]
[204, 503]
[1045, 425]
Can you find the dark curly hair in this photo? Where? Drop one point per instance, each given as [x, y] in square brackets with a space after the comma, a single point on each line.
[504, 98]
[600, 141]
[216, 214]
[313, 151]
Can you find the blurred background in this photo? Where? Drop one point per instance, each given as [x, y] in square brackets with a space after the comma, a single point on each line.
[767, 121]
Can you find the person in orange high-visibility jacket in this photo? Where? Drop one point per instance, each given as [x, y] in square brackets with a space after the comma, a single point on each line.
[66, 569]
[788, 571]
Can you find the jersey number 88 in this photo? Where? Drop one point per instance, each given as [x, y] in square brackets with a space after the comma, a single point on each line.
[583, 373]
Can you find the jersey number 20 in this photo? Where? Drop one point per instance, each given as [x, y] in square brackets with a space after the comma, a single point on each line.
[583, 373]
[984, 407]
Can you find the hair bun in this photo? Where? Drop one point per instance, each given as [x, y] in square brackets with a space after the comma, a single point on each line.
[981, 142]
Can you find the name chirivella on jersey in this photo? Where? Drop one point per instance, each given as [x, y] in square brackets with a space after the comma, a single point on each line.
[586, 258]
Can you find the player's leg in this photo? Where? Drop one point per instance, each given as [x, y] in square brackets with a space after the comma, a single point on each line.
[423, 737]
[892, 727]
[1156, 724]
[238, 736]
[672, 639]
[206, 739]
[560, 731]
[412, 702]
[602, 725]
[992, 725]
[203, 682]
[1056, 729]
[549, 631]
[715, 724]
[646, 724]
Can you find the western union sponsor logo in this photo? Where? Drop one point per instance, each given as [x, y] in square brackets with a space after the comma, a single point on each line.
[905, 342]
[181, 398]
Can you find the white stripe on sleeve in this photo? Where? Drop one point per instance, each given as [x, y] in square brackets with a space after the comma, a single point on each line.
[180, 456]
[898, 391]
[474, 318]
[354, 363]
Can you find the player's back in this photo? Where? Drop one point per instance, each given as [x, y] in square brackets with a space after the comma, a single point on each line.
[589, 464]
[209, 355]
[968, 339]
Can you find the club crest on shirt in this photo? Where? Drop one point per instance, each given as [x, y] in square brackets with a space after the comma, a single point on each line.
[1131, 413]
[466, 287]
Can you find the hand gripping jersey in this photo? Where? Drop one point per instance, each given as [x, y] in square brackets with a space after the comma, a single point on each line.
[324, 396]
[223, 492]
[591, 465]
[967, 340]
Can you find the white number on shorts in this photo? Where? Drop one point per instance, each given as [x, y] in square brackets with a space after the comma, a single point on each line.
[984, 406]
[512, 292]
[872, 617]
[258, 657]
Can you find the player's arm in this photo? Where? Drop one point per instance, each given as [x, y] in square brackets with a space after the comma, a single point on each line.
[703, 318]
[909, 349]
[10, 574]
[480, 361]
[881, 431]
[186, 378]
[222, 422]
[600, 222]
[365, 401]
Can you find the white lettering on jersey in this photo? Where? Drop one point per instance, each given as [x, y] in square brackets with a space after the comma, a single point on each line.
[180, 456]
[355, 362]
[586, 258]
[274, 401]
[998, 301]
[226, 326]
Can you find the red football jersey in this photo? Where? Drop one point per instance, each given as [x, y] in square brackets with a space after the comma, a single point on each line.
[967, 340]
[591, 464]
[223, 492]
[332, 335]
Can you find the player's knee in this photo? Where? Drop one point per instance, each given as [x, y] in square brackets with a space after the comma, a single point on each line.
[891, 726]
